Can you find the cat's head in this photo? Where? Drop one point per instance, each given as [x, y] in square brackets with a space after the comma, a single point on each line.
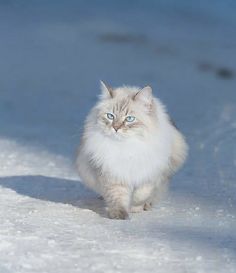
[125, 111]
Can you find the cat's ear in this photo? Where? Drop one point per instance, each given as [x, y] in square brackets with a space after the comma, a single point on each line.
[106, 91]
[144, 96]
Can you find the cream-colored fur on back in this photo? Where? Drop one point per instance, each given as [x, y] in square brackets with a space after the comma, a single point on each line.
[129, 162]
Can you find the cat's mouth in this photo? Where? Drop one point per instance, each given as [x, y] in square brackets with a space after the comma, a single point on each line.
[115, 134]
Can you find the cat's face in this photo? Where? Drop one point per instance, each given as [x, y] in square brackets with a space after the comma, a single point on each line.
[125, 112]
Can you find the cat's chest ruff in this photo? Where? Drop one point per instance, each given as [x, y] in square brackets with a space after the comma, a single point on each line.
[130, 160]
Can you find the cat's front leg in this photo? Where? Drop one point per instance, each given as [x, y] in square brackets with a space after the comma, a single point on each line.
[118, 198]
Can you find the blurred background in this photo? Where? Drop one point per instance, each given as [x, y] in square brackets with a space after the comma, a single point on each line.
[53, 54]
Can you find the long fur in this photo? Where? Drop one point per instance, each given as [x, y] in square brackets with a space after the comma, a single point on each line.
[131, 166]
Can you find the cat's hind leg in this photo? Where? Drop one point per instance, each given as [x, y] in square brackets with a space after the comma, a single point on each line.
[141, 197]
[136, 209]
[147, 206]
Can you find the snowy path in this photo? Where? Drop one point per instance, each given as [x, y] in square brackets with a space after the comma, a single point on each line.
[51, 224]
[52, 56]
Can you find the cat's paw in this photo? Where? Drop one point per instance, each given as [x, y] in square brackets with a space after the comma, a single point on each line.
[136, 209]
[147, 206]
[118, 213]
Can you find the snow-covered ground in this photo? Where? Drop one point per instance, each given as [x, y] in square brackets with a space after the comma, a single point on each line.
[52, 54]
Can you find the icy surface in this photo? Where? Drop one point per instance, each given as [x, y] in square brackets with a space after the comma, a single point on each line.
[52, 55]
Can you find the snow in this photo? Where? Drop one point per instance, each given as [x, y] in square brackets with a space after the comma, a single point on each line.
[53, 55]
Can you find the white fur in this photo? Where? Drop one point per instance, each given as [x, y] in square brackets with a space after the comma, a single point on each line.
[130, 160]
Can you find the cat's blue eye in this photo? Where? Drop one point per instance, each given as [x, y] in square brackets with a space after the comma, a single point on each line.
[110, 116]
[130, 118]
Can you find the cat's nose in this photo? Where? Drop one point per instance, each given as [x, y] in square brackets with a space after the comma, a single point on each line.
[116, 127]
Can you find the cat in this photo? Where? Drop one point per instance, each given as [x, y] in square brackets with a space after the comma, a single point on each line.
[129, 149]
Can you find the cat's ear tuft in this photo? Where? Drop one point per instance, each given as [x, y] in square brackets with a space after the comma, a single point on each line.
[144, 96]
[106, 91]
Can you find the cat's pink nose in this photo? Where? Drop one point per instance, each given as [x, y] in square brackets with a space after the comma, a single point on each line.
[116, 127]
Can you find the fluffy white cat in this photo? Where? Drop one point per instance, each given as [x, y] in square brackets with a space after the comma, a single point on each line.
[129, 149]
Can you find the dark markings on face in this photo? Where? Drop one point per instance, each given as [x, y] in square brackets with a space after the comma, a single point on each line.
[121, 107]
[136, 124]
[106, 121]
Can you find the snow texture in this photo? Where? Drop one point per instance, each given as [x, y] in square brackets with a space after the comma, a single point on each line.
[53, 54]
